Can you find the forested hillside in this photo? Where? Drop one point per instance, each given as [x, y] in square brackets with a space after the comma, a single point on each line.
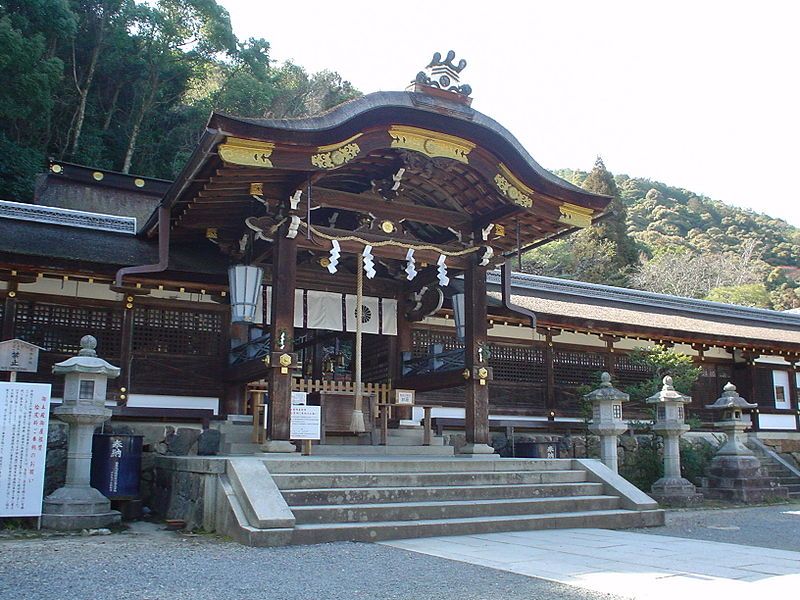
[128, 85]
[687, 244]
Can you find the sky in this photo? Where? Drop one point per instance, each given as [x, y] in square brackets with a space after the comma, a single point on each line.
[703, 95]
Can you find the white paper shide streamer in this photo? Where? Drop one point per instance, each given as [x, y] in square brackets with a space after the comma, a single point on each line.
[334, 257]
[410, 269]
[369, 262]
[444, 280]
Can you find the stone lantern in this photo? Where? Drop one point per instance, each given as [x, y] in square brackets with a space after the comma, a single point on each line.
[735, 473]
[670, 424]
[607, 419]
[77, 505]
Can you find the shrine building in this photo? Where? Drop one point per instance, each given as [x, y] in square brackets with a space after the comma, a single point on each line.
[350, 255]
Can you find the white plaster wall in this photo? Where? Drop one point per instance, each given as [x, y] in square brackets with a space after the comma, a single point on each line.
[777, 422]
[158, 401]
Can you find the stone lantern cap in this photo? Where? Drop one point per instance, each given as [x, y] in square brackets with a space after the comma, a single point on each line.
[730, 399]
[87, 361]
[606, 392]
[668, 394]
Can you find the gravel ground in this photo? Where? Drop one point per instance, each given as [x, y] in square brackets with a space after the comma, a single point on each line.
[148, 563]
[766, 526]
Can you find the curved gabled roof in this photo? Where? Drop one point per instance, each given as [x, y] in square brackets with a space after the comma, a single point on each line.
[416, 109]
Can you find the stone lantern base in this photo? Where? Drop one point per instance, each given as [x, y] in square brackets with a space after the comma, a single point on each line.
[737, 478]
[71, 508]
[675, 491]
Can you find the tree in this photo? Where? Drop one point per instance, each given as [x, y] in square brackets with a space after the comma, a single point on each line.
[749, 294]
[662, 361]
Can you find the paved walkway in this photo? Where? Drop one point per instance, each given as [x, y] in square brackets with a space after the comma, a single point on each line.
[624, 563]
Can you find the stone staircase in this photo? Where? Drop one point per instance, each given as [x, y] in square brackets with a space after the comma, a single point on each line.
[371, 499]
[777, 467]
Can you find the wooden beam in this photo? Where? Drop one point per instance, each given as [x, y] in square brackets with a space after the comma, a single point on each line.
[393, 210]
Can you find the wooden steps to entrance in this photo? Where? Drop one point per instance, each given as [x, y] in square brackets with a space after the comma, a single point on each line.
[371, 499]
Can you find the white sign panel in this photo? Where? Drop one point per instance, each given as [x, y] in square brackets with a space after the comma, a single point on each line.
[24, 410]
[404, 397]
[19, 356]
[299, 398]
[305, 423]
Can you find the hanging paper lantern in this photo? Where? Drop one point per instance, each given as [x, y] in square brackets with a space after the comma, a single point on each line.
[245, 288]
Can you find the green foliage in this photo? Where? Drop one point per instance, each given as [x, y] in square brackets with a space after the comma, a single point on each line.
[661, 362]
[129, 84]
[695, 459]
[687, 245]
[644, 465]
[752, 294]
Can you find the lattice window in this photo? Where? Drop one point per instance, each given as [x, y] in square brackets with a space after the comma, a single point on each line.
[177, 331]
[423, 339]
[517, 363]
[58, 328]
[627, 372]
[576, 368]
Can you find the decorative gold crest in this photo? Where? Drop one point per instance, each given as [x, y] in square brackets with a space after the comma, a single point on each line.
[512, 188]
[285, 360]
[256, 189]
[248, 153]
[387, 227]
[335, 158]
[577, 216]
[483, 373]
[431, 143]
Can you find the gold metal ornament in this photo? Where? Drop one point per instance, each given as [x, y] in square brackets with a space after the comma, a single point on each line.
[483, 373]
[285, 360]
[248, 153]
[336, 155]
[577, 216]
[431, 143]
[387, 227]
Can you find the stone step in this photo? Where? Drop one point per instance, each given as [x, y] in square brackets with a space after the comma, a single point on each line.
[345, 464]
[465, 493]
[454, 509]
[387, 530]
[365, 450]
[247, 448]
[356, 480]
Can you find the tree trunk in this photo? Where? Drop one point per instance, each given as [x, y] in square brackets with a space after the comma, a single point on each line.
[147, 102]
[84, 95]
[113, 109]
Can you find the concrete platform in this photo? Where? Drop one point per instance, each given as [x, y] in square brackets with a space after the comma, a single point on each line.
[628, 564]
[269, 499]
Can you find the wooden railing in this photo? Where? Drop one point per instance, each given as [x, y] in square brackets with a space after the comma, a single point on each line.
[257, 391]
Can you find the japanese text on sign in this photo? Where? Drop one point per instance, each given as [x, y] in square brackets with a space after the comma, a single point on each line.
[24, 410]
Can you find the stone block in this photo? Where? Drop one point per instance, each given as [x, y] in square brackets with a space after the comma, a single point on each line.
[208, 443]
[183, 442]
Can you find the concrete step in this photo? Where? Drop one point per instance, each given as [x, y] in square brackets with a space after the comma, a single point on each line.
[465, 493]
[422, 464]
[386, 530]
[364, 450]
[354, 480]
[454, 509]
[247, 448]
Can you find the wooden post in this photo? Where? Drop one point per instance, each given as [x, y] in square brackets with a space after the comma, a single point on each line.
[549, 373]
[126, 351]
[284, 281]
[475, 358]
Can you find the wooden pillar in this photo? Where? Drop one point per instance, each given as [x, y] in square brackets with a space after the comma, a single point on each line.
[610, 361]
[10, 311]
[476, 360]
[284, 282]
[549, 373]
[126, 349]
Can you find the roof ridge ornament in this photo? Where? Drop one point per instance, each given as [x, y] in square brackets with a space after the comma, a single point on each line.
[444, 74]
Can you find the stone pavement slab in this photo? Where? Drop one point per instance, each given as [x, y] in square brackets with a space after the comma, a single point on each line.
[625, 563]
